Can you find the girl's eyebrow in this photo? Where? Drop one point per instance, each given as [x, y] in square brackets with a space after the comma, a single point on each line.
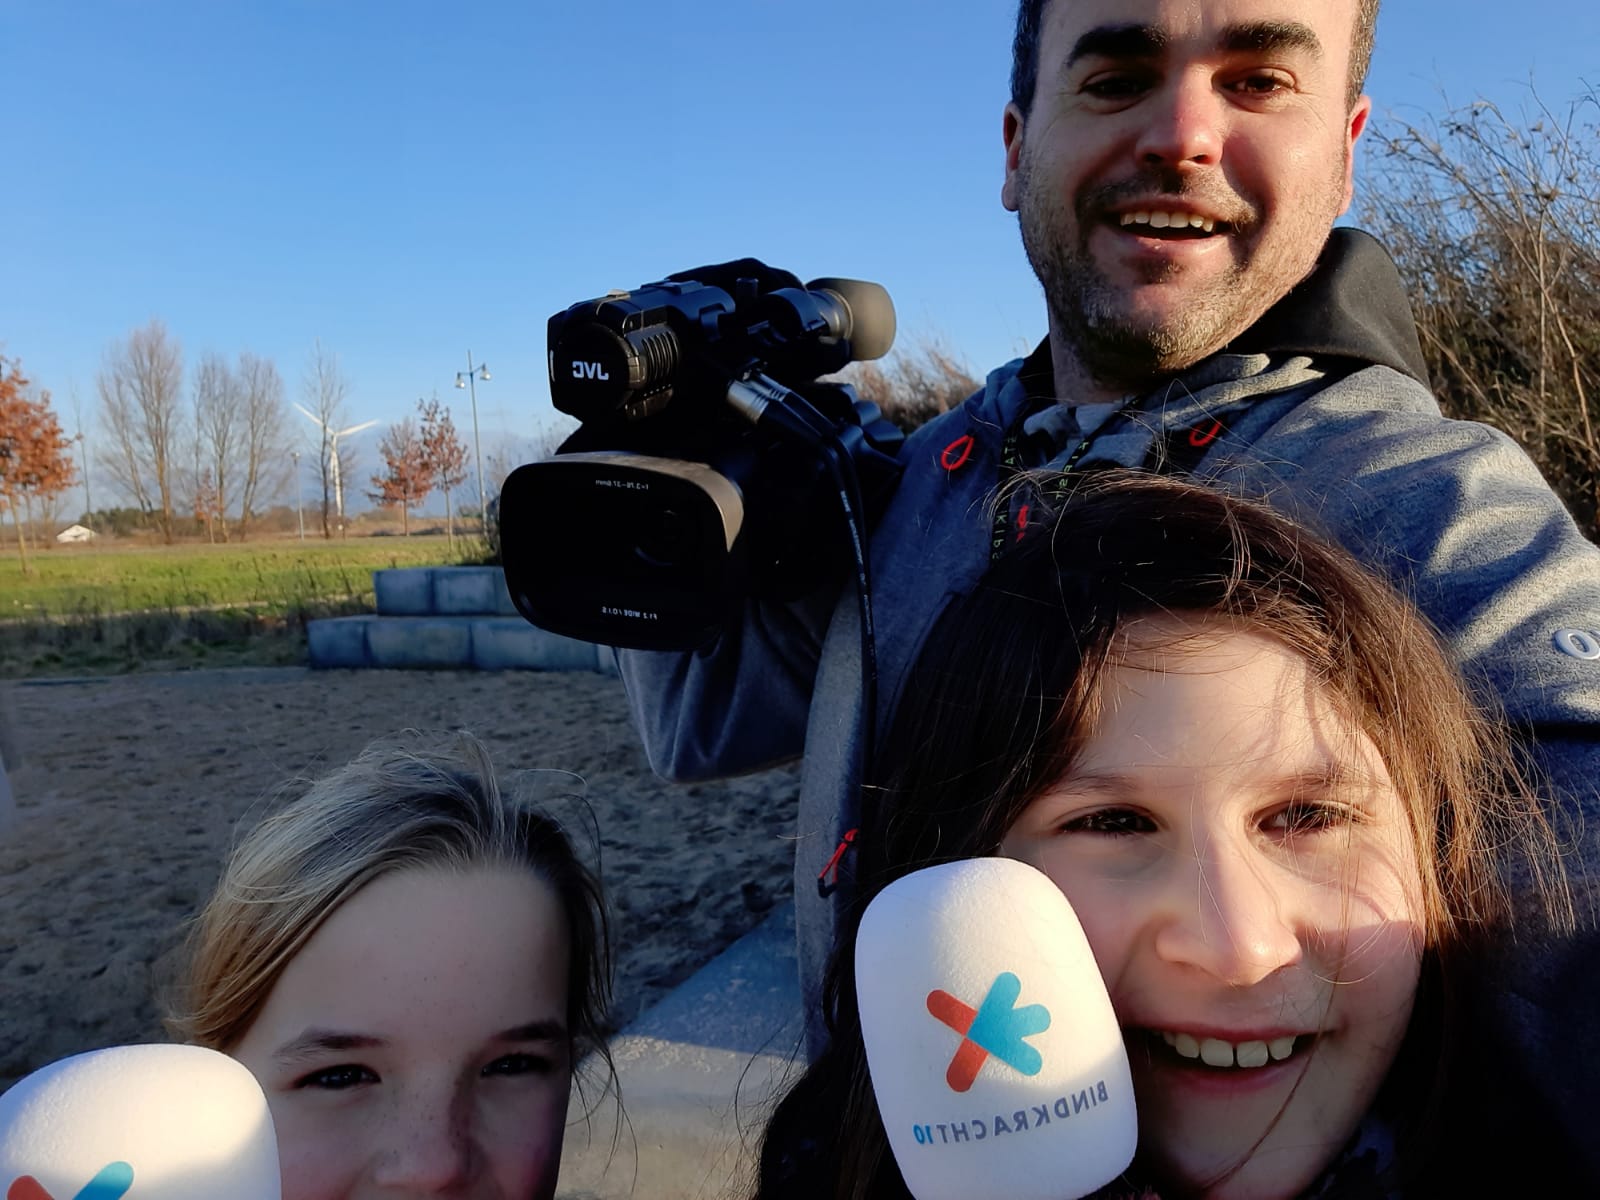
[535, 1031]
[314, 1042]
[1333, 775]
[319, 1041]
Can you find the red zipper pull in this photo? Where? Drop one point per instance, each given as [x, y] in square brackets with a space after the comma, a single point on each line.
[828, 880]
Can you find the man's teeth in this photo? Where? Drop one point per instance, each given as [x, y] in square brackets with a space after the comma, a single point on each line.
[1165, 220]
[1215, 1052]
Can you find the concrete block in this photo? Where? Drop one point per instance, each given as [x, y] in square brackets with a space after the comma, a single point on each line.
[338, 641]
[511, 644]
[437, 642]
[465, 591]
[404, 591]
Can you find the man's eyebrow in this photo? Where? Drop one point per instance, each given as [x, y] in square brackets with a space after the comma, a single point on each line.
[1119, 41]
[1134, 40]
[1264, 37]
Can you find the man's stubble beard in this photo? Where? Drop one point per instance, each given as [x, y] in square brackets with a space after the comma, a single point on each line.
[1121, 351]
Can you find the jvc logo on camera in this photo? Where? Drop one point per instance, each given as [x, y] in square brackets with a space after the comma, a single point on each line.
[588, 370]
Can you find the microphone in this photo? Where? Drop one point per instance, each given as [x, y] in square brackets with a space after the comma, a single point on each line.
[996, 1059]
[147, 1122]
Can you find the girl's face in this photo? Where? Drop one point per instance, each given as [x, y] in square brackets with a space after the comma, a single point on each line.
[1248, 881]
[418, 1044]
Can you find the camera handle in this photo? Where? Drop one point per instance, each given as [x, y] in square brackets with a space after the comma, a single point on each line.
[768, 404]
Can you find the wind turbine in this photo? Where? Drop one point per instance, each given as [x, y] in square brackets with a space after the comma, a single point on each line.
[333, 455]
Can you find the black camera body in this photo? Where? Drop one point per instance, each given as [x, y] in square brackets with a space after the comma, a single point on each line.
[710, 465]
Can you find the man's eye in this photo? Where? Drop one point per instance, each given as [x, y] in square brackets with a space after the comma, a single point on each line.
[1113, 822]
[520, 1064]
[337, 1079]
[1262, 85]
[1116, 87]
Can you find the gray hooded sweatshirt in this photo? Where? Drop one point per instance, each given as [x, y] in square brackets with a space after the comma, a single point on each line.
[1320, 408]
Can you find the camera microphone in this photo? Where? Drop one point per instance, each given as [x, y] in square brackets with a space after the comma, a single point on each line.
[996, 1059]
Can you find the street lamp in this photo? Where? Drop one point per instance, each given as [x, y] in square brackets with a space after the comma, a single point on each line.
[298, 511]
[83, 461]
[469, 379]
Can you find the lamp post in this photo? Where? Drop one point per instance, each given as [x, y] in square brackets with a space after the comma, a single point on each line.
[298, 511]
[469, 380]
[83, 462]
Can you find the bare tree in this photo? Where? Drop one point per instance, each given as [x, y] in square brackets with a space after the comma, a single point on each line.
[140, 383]
[1495, 225]
[325, 389]
[263, 436]
[218, 433]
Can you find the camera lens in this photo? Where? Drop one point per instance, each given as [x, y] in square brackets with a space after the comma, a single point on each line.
[666, 538]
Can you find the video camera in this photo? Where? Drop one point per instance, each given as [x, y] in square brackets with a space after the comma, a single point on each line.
[710, 465]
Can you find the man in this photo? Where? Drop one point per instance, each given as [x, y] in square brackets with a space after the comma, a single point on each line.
[1176, 169]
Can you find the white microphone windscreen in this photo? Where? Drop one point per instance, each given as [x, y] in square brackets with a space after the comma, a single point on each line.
[995, 1056]
[147, 1122]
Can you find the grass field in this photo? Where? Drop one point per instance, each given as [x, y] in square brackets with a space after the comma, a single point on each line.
[107, 609]
[66, 581]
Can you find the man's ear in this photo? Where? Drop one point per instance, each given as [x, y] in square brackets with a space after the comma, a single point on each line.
[1011, 131]
[1354, 128]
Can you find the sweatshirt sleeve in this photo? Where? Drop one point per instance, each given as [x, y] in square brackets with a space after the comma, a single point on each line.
[740, 705]
[1456, 515]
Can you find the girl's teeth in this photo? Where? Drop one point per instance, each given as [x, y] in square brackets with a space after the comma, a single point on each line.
[1251, 1054]
[1215, 1052]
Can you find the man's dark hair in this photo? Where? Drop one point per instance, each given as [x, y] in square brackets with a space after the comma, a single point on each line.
[1030, 22]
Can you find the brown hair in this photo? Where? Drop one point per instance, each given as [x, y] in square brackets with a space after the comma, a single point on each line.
[1030, 27]
[415, 801]
[1006, 692]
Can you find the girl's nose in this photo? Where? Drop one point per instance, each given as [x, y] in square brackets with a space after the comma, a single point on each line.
[1182, 123]
[1227, 915]
[427, 1145]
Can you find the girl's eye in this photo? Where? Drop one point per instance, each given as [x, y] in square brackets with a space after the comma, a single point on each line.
[1111, 822]
[1295, 820]
[337, 1079]
[520, 1064]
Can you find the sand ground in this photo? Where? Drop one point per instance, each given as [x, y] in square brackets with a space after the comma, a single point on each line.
[131, 791]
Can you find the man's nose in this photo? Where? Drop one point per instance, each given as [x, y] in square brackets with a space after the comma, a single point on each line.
[1229, 915]
[1182, 123]
[428, 1144]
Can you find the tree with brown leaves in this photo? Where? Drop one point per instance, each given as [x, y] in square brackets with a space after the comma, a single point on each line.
[35, 456]
[446, 456]
[407, 477]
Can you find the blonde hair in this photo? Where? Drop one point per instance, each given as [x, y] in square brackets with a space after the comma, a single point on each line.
[414, 801]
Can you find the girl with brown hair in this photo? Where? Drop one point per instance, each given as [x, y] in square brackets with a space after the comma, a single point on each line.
[1286, 830]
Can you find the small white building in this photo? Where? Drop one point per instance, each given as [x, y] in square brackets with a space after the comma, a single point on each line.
[75, 533]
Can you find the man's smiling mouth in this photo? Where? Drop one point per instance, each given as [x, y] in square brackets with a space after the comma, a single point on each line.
[1159, 223]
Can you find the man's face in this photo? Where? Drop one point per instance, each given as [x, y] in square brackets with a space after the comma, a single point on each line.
[1180, 169]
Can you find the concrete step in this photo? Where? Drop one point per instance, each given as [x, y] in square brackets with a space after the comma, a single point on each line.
[443, 591]
[449, 643]
[699, 1074]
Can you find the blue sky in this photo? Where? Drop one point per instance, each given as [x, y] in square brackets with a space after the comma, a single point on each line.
[409, 181]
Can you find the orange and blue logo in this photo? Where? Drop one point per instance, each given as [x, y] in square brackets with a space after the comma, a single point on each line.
[996, 1028]
[111, 1182]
